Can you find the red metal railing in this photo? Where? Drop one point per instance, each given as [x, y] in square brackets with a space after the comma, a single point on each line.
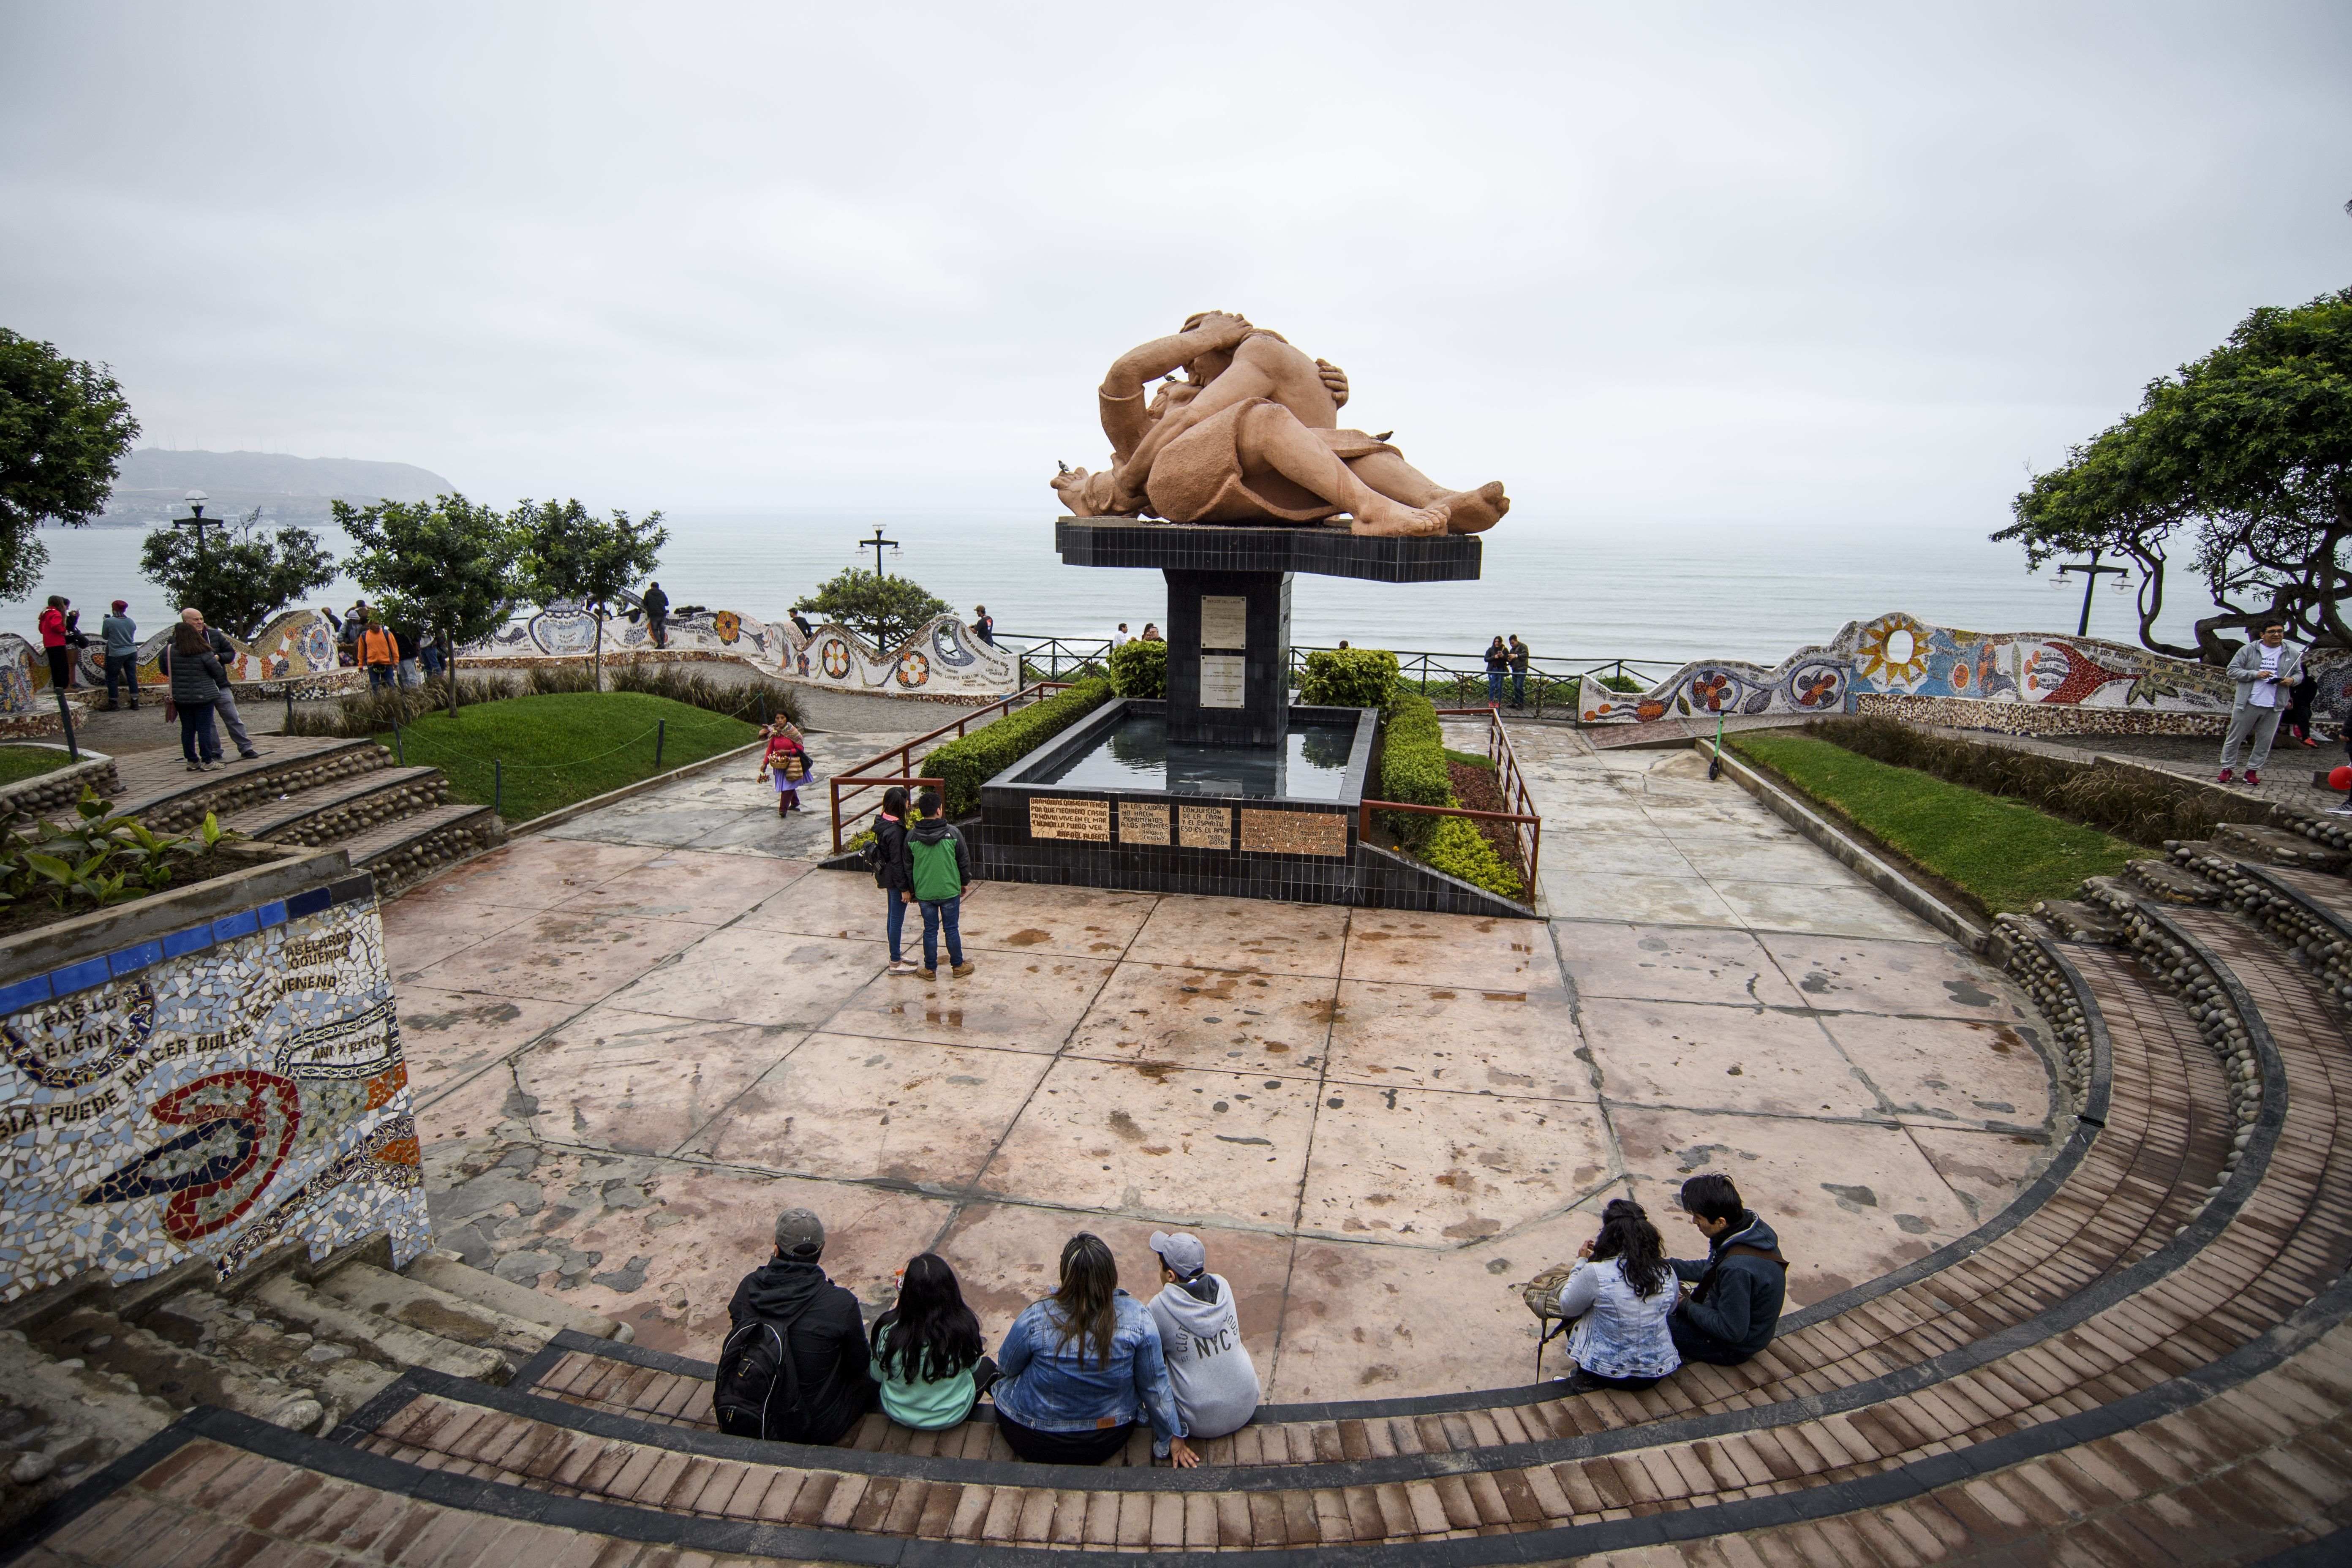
[904, 757]
[1510, 779]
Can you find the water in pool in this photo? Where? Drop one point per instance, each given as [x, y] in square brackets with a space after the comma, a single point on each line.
[1135, 754]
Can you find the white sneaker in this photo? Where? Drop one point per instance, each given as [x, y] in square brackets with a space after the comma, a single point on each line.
[903, 966]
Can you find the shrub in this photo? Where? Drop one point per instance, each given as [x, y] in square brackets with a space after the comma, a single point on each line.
[1459, 850]
[375, 711]
[966, 763]
[1413, 767]
[1140, 669]
[1348, 678]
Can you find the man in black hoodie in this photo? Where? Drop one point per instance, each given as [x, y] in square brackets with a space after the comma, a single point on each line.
[657, 609]
[821, 1330]
[1737, 1288]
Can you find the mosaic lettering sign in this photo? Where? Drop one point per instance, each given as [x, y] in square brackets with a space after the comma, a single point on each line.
[1225, 621]
[1205, 827]
[1293, 832]
[1222, 680]
[1069, 819]
[246, 1095]
[1142, 822]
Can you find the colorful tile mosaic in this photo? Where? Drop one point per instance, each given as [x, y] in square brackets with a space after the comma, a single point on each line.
[213, 1092]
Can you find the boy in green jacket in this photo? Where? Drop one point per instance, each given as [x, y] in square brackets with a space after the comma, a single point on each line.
[941, 869]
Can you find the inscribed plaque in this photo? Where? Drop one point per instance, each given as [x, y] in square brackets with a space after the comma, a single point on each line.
[1225, 621]
[1222, 680]
[1069, 819]
[1205, 827]
[1293, 832]
[1142, 822]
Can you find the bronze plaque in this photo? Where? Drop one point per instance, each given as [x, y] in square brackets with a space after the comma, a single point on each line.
[1205, 827]
[1143, 822]
[1069, 819]
[1293, 832]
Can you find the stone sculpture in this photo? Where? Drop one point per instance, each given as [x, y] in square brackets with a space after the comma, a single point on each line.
[1251, 436]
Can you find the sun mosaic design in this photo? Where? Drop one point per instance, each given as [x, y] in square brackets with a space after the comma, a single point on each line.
[243, 1095]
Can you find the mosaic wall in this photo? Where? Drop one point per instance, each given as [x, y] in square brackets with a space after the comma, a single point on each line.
[218, 1092]
[943, 657]
[297, 648]
[2023, 681]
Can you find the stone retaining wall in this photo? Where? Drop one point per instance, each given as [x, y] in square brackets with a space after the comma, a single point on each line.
[251, 789]
[444, 846]
[356, 815]
[48, 794]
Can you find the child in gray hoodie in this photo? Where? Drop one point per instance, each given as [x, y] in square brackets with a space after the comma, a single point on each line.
[1200, 1338]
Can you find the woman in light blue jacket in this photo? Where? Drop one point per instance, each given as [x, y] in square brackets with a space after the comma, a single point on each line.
[1619, 1298]
[1079, 1368]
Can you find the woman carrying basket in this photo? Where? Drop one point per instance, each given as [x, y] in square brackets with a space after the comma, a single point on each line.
[788, 761]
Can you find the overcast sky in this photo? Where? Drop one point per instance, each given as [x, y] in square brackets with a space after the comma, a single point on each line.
[1746, 263]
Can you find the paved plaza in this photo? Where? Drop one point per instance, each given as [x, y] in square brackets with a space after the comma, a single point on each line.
[635, 1037]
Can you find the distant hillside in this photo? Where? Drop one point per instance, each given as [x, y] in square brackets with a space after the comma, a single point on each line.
[288, 489]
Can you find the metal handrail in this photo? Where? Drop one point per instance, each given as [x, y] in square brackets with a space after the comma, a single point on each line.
[865, 783]
[1511, 781]
[904, 753]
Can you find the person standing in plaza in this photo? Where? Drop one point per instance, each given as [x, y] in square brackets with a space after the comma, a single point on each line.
[1518, 672]
[985, 628]
[787, 760]
[1152, 632]
[938, 869]
[1119, 637]
[657, 609]
[197, 679]
[122, 635]
[1498, 664]
[54, 644]
[2266, 672]
[892, 873]
[377, 652]
[225, 704]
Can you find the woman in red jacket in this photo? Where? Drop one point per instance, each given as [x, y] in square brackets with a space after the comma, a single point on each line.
[789, 762]
[52, 641]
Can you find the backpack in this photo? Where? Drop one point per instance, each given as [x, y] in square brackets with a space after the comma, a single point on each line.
[1542, 1296]
[755, 1368]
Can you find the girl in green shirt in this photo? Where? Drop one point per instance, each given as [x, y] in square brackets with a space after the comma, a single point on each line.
[927, 1349]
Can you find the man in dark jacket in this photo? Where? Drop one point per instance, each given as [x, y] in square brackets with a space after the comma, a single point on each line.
[1737, 1288]
[226, 703]
[657, 606]
[893, 874]
[821, 1330]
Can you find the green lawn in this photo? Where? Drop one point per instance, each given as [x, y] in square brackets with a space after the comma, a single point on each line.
[25, 761]
[2003, 851]
[564, 748]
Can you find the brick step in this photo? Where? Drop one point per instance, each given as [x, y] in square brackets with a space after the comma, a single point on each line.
[2075, 921]
[2277, 846]
[403, 850]
[158, 787]
[2172, 884]
[338, 808]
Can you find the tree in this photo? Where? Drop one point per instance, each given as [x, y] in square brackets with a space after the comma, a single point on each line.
[64, 426]
[2251, 447]
[889, 609]
[568, 552]
[240, 582]
[446, 565]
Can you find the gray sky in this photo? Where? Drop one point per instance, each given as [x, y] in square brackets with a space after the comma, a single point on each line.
[1767, 264]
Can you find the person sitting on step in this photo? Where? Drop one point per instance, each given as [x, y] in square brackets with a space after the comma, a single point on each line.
[1216, 1386]
[1621, 1296]
[1082, 1366]
[794, 1368]
[1738, 1288]
[927, 1349]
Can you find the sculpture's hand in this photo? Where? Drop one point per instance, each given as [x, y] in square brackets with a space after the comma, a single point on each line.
[1222, 330]
[1335, 382]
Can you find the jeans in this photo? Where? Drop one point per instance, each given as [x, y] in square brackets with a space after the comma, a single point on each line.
[225, 705]
[1494, 686]
[896, 921]
[1518, 688]
[1088, 1448]
[937, 913]
[2263, 723]
[409, 675]
[657, 628]
[1694, 1344]
[380, 678]
[197, 742]
[62, 663]
[124, 667]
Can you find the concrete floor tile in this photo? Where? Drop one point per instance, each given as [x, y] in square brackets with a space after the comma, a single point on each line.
[1956, 1071]
[1638, 851]
[1984, 1170]
[560, 956]
[687, 885]
[742, 975]
[1441, 1169]
[1934, 978]
[639, 1082]
[1450, 950]
[534, 873]
[1788, 858]
[830, 903]
[1076, 922]
[1247, 935]
[1851, 911]
[1664, 901]
[1009, 1001]
[1390, 1034]
[418, 935]
[622, 824]
[1673, 963]
[1850, 1203]
[1723, 1058]
[1198, 1146]
[486, 1105]
[850, 1109]
[450, 1035]
[1209, 1018]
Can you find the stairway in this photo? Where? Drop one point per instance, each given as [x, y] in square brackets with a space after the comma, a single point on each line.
[2146, 1357]
[394, 820]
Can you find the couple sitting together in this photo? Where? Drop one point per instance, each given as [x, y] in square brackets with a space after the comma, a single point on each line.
[1632, 1323]
[1074, 1375]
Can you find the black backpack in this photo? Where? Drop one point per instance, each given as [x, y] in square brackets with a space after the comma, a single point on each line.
[757, 1392]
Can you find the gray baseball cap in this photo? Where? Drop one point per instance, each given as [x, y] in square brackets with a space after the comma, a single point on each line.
[1183, 1252]
[800, 1235]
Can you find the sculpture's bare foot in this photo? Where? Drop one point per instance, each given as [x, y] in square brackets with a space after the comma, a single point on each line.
[1475, 512]
[1394, 521]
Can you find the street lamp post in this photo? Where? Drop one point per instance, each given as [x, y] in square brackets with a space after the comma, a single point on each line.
[876, 544]
[199, 522]
[2092, 572]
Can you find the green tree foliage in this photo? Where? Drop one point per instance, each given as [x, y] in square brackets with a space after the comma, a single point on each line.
[887, 609]
[570, 552]
[2249, 450]
[64, 426]
[1140, 669]
[241, 581]
[1348, 678]
[445, 565]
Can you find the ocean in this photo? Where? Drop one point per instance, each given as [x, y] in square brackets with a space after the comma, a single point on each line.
[1571, 588]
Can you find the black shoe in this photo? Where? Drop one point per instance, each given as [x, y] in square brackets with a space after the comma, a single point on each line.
[1582, 1382]
[249, 756]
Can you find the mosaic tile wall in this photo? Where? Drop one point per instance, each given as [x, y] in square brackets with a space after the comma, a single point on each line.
[218, 1092]
[297, 649]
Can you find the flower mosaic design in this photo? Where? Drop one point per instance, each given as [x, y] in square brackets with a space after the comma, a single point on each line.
[1815, 688]
[1711, 689]
[834, 655]
[914, 669]
[728, 624]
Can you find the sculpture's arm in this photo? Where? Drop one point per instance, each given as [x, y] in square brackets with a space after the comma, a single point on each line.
[1161, 356]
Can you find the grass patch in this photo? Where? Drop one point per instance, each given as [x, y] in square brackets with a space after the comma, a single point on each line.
[562, 749]
[1470, 760]
[2002, 853]
[30, 762]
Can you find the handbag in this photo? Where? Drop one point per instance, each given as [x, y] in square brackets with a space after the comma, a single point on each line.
[1542, 1296]
[171, 711]
[795, 767]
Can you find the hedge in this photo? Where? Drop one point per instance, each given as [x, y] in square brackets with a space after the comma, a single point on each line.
[970, 761]
[1140, 669]
[1459, 850]
[1348, 678]
[1413, 766]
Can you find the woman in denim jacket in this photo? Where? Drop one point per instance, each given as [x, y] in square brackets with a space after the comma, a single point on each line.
[1080, 1367]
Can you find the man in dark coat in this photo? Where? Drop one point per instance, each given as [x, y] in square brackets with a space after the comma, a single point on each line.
[1737, 1288]
[826, 1336]
[656, 604]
